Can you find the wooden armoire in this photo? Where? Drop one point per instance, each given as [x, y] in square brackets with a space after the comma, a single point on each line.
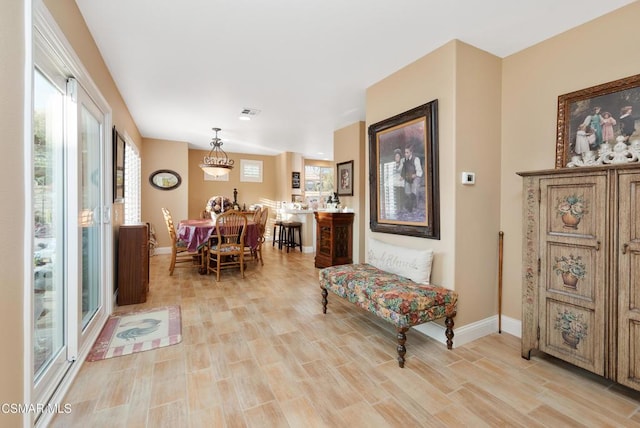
[581, 268]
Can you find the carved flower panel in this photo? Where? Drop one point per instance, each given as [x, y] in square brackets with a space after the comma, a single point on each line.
[571, 270]
[572, 209]
[570, 330]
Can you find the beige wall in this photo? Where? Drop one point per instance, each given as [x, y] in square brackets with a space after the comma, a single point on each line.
[477, 207]
[598, 52]
[286, 163]
[466, 83]
[162, 154]
[248, 193]
[12, 260]
[349, 144]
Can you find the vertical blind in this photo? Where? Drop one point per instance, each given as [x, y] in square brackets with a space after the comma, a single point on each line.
[131, 184]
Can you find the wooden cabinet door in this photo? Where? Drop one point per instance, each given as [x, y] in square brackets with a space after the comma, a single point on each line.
[133, 264]
[573, 269]
[334, 239]
[627, 252]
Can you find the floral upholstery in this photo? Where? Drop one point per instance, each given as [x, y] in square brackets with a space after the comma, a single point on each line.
[227, 248]
[391, 297]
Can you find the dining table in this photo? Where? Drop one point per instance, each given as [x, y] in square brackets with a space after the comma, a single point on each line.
[195, 233]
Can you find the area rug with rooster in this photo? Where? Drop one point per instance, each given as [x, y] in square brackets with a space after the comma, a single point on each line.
[126, 333]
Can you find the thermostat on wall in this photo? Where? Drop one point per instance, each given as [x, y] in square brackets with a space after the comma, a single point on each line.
[468, 178]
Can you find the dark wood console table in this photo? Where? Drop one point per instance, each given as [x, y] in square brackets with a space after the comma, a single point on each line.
[334, 238]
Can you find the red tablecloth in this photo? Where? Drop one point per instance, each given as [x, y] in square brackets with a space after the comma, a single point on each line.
[196, 233]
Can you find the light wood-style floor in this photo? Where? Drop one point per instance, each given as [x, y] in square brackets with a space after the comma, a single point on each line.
[259, 352]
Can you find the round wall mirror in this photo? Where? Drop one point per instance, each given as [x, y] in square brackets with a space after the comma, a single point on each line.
[165, 179]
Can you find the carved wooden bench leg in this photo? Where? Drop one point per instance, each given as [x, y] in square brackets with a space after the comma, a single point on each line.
[324, 300]
[402, 338]
[449, 331]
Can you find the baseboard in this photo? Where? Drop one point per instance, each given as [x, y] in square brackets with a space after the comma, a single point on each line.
[470, 332]
[512, 326]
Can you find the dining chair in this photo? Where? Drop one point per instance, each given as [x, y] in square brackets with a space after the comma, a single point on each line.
[262, 228]
[256, 214]
[248, 250]
[179, 252]
[226, 249]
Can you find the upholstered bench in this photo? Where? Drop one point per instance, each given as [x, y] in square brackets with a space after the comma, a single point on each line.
[392, 297]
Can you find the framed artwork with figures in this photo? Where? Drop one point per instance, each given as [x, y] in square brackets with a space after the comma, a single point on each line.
[599, 125]
[345, 178]
[403, 165]
[295, 180]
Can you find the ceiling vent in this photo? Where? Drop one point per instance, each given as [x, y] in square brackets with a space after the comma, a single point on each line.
[250, 112]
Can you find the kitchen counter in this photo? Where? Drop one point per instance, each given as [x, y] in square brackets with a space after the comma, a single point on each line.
[306, 218]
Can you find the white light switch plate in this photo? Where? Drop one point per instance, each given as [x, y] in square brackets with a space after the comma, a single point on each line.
[468, 178]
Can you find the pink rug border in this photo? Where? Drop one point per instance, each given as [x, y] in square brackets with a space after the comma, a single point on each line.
[101, 346]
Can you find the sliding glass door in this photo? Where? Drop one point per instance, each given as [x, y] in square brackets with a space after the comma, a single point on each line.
[70, 205]
[90, 129]
[68, 262]
[49, 294]
[90, 136]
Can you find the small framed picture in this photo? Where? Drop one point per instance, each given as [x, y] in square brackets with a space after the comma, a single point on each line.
[295, 180]
[345, 178]
[118, 166]
[165, 179]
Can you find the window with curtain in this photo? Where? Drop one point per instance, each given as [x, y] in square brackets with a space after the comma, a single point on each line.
[131, 184]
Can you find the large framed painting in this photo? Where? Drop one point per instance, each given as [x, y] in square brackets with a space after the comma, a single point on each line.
[118, 166]
[403, 167]
[597, 125]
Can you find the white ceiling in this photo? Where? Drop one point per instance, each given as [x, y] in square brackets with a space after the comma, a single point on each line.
[186, 66]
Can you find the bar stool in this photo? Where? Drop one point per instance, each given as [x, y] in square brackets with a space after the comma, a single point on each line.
[290, 234]
[281, 235]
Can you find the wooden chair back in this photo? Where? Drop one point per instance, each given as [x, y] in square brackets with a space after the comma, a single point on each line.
[226, 249]
[230, 230]
[179, 252]
[264, 217]
[256, 215]
[168, 220]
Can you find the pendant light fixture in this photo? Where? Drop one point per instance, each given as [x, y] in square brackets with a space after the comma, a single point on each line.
[216, 163]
